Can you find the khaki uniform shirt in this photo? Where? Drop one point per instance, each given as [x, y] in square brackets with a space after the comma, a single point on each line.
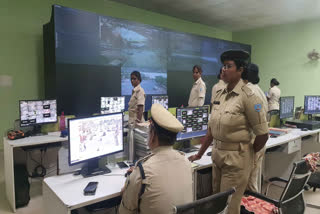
[274, 96]
[168, 183]
[138, 97]
[197, 94]
[217, 87]
[257, 90]
[238, 114]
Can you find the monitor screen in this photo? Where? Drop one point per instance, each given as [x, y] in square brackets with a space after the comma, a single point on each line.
[95, 55]
[94, 137]
[112, 104]
[163, 100]
[35, 112]
[286, 107]
[194, 120]
[312, 104]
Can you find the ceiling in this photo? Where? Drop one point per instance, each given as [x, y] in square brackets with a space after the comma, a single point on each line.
[233, 15]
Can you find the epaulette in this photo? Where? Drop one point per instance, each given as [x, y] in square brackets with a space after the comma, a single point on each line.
[219, 90]
[248, 91]
[144, 159]
[181, 153]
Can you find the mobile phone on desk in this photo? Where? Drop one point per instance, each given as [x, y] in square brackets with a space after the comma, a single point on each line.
[91, 188]
[122, 165]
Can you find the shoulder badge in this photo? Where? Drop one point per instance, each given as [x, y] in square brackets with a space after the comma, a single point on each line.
[257, 107]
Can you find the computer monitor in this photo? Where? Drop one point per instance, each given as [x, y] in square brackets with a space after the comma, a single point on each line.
[286, 107]
[112, 105]
[312, 105]
[163, 100]
[94, 137]
[37, 112]
[194, 120]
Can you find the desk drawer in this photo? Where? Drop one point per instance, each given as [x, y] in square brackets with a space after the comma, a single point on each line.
[293, 146]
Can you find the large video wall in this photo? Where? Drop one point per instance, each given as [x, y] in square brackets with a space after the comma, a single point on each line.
[95, 54]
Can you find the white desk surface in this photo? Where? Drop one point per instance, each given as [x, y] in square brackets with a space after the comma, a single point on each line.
[205, 159]
[292, 135]
[69, 188]
[36, 140]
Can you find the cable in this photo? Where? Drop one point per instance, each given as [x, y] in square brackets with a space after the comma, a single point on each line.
[39, 170]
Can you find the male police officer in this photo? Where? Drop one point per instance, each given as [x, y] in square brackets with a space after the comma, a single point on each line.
[163, 179]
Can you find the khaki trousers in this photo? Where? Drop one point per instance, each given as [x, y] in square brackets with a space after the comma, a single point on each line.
[257, 163]
[231, 167]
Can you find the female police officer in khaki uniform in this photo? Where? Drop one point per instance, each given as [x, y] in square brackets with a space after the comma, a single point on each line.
[137, 100]
[251, 78]
[198, 90]
[235, 115]
[165, 179]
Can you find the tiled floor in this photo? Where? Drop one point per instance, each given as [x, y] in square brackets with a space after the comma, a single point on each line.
[35, 204]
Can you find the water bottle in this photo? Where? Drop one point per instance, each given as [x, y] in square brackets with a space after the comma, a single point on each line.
[62, 122]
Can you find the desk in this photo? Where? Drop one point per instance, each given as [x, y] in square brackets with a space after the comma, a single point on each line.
[9, 146]
[280, 163]
[64, 193]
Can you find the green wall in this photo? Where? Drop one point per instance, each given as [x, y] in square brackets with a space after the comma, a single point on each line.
[21, 44]
[281, 52]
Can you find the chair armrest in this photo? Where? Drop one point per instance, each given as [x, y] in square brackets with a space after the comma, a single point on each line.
[278, 179]
[263, 197]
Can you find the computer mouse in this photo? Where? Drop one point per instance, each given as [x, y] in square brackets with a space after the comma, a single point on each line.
[304, 129]
[209, 153]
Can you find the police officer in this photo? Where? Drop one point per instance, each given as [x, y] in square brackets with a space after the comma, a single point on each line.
[235, 115]
[163, 179]
[137, 100]
[274, 95]
[198, 91]
[251, 78]
[217, 87]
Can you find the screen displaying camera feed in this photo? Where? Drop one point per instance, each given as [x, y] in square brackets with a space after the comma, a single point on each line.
[286, 107]
[95, 137]
[194, 120]
[96, 52]
[37, 112]
[163, 100]
[112, 105]
[312, 104]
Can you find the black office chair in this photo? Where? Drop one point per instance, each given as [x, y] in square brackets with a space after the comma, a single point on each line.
[217, 203]
[291, 199]
[314, 180]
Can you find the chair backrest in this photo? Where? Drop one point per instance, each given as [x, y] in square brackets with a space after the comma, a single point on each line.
[291, 200]
[212, 204]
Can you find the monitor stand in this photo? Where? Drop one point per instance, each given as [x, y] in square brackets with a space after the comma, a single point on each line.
[309, 116]
[93, 169]
[37, 131]
[187, 148]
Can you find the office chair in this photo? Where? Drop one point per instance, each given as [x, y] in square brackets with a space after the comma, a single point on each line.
[217, 203]
[291, 199]
[314, 180]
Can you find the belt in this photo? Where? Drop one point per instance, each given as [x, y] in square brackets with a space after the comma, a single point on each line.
[230, 146]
